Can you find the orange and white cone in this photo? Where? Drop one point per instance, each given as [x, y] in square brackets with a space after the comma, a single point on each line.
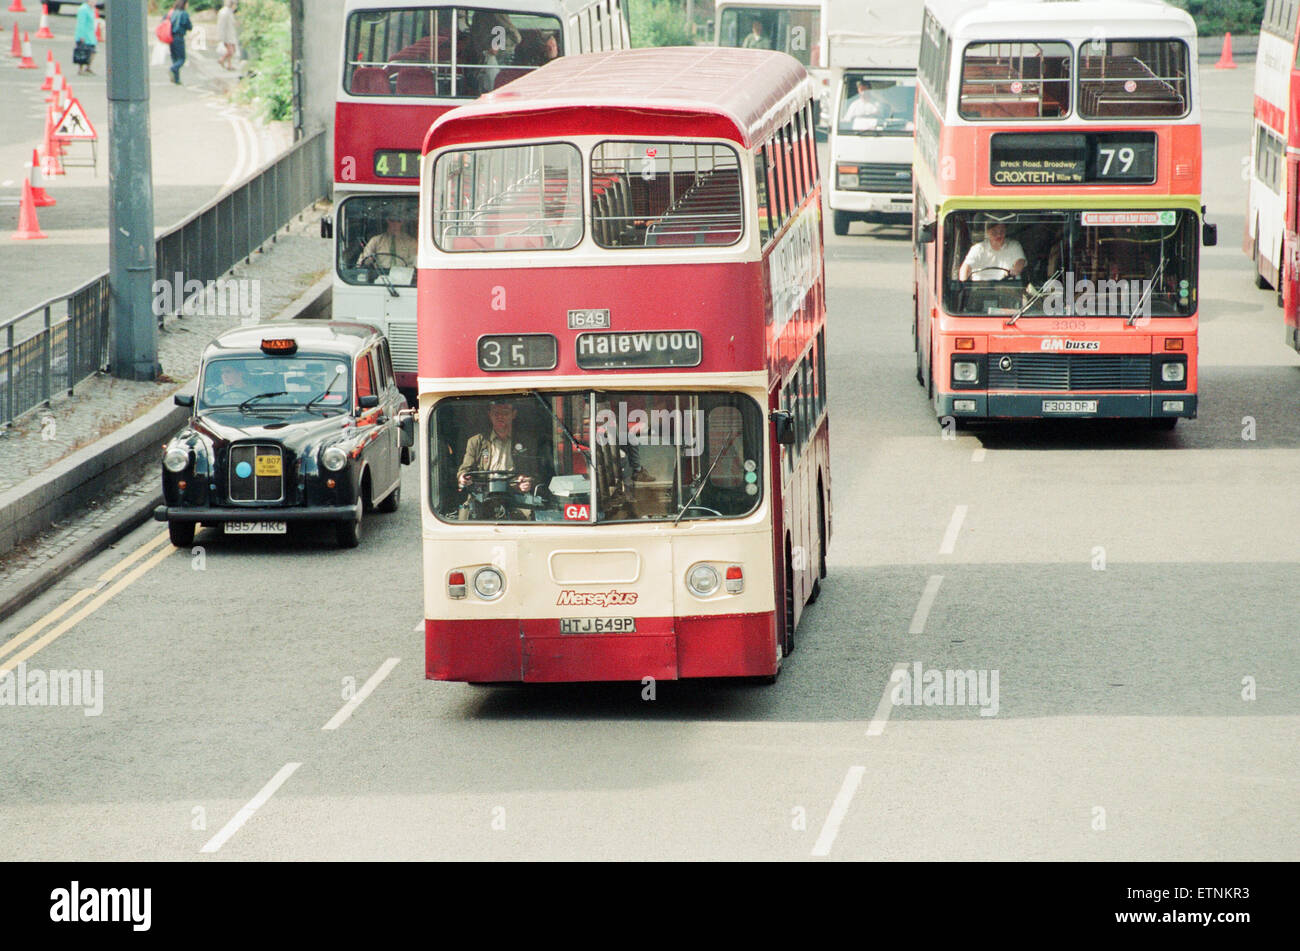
[17, 49]
[56, 84]
[29, 229]
[42, 198]
[17, 7]
[1225, 58]
[28, 62]
[52, 164]
[44, 32]
[48, 84]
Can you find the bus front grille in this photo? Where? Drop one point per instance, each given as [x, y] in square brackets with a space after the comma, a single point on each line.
[1069, 371]
[401, 344]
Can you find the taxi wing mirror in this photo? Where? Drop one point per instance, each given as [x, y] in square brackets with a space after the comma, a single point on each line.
[925, 233]
[407, 424]
[183, 399]
[368, 402]
[1209, 234]
[784, 423]
[327, 227]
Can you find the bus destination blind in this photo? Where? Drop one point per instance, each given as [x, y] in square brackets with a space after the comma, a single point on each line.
[397, 163]
[515, 352]
[1057, 158]
[639, 350]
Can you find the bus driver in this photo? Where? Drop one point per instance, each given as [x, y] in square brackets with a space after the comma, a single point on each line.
[995, 258]
[499, 449]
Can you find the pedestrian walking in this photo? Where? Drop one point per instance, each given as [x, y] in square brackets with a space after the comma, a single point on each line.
[85, 39]
[180, 22]
[227, 33]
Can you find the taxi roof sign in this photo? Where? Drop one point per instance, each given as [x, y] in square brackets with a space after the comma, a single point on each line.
[74, 123]
[279, 345]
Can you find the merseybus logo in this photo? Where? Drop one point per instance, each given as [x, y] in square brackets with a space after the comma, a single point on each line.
[1056, 343]
[595, 599]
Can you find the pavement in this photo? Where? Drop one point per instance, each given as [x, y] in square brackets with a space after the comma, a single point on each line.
[202, 144]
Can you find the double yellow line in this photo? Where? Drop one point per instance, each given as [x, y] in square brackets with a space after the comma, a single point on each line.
[99, 595]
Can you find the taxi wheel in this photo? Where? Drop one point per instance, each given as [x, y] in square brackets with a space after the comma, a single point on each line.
[349, 533]
[181, 533]
[391, 502]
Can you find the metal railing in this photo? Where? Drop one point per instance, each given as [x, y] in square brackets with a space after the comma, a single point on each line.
[59, 343]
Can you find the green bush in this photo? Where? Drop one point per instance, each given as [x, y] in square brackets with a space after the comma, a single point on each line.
[1222, 16]
[264, 34]
[658, 23]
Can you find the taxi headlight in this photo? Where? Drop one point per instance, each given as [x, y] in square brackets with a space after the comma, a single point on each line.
[488, 583]
[702, 580]
[176, 459]
[333, 458]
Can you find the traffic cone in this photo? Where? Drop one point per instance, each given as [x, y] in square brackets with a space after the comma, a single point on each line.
[17, 49]
[29, 229]
[28, 62]
[56, 84]
[39, 194]
[17, 7]
[48, 84]
[44, 32]
[52, 164]
[1225, 58]
[99, 27]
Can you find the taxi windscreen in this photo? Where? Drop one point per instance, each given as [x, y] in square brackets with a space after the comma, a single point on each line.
[275, 382]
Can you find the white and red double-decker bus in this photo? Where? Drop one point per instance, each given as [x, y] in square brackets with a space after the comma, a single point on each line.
[1272, 189]
[405, 63]
[622, 377]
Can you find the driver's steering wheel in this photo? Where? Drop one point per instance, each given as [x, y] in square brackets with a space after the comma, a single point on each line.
[483, 478]
[372, 260]
[234, 396]
[1006, 271]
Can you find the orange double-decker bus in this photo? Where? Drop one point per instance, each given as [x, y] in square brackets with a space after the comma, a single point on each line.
[1058, 210]
[622, 379]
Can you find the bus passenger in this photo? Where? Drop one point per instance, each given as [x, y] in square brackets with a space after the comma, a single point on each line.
[995, 258]
[756, 40]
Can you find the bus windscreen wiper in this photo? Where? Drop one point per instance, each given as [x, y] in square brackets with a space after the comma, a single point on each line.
[559, 422]
[1038, 295]
[1146, 294]
[705, 481]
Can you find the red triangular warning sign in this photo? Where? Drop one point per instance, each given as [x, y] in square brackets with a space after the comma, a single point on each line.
[74, 123]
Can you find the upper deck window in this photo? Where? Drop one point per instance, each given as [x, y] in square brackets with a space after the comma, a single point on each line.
[658, 194]
[411, 51]
[514, 198]
[1133, 79]
[793, 30]
[1018, 79]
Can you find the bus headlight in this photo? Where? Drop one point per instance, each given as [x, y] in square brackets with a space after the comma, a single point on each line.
[964, 371]
[489, 583]
[702, 580]
[333, 458]
[177, 459]
[1173, 372]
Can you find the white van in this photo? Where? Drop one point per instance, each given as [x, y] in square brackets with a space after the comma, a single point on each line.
[873, 60]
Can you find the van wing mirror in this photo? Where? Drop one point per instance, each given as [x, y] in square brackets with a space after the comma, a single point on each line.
[784, 423]
[368, 402]
[183, 399]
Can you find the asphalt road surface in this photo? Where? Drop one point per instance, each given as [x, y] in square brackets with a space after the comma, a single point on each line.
[1134, 592]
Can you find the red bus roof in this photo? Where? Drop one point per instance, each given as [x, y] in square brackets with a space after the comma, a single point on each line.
[706, 92]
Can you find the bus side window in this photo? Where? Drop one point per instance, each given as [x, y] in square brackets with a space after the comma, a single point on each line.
[761, 197]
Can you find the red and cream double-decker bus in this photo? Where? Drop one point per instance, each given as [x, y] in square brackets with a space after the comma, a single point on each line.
[404, 63]
[622, 378]
[1058, 218]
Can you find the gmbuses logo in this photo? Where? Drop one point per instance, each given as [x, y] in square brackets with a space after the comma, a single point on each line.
[595, 599]
[1056, 343]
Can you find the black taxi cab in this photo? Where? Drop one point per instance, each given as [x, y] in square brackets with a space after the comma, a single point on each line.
[292, 422]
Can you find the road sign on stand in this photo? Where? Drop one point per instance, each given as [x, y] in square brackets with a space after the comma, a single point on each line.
[74, 123]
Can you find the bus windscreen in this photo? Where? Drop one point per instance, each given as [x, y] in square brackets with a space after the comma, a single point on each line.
[596, 456]
[1111, 263]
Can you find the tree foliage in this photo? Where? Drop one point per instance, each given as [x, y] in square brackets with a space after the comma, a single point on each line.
[658, 23]
[264, 34]
[1222, 16]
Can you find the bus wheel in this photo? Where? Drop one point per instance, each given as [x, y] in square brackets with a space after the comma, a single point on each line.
[916, 345]
[1280, 269]
[821, 529]
[841, 222]
[1164, 423]
[1260, 281]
